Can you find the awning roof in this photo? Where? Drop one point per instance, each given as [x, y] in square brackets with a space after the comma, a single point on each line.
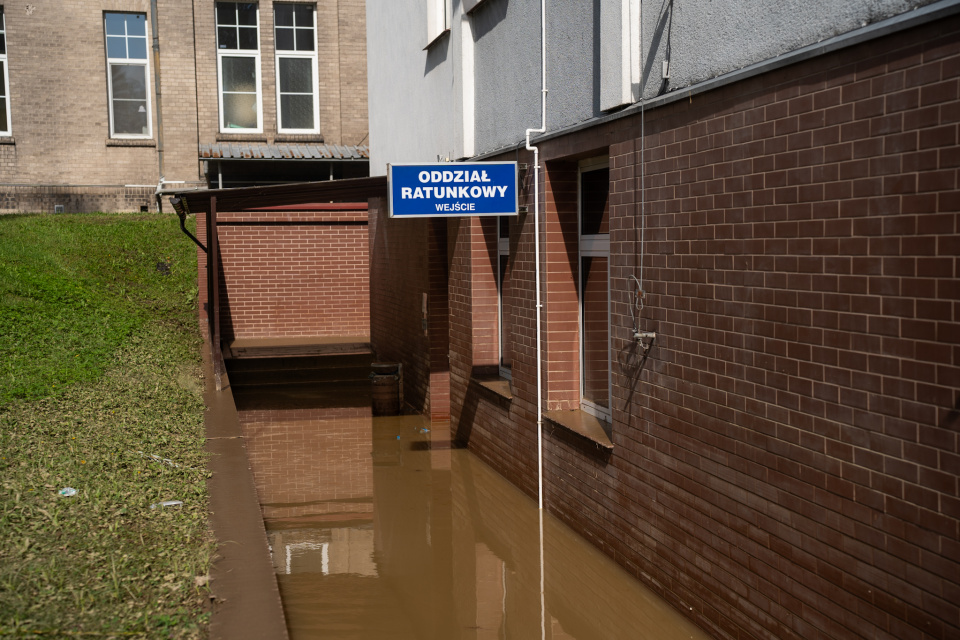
[245, 198]
[291, 151]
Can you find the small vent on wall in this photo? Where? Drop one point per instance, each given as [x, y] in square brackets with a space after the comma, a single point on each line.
[58, 208]
[144, 208]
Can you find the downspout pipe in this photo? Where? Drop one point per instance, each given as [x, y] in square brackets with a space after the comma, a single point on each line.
[536, 241]
[155, 29]
[538, 300]
[180, 206]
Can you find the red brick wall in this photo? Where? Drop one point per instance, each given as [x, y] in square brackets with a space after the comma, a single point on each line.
[311, 461]
[408, 260]
[290, 273]
[786, 464]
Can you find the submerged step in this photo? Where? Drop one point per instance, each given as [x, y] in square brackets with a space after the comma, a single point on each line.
[298, 376]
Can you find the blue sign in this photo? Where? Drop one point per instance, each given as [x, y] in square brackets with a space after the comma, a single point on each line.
[453, 189]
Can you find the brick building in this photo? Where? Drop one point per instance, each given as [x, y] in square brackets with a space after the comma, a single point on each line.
[765, 192]
[104, 103]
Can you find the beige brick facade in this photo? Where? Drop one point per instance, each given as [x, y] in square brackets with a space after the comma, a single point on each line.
[60, 151]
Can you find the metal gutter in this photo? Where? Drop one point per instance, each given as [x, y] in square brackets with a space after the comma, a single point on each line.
[245, 198]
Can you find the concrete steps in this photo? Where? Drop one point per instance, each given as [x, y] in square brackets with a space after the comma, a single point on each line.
[300, 370]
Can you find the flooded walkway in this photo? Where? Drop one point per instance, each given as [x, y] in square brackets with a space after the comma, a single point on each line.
[378, 529]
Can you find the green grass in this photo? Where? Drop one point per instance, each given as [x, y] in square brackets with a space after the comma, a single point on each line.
[99, 369]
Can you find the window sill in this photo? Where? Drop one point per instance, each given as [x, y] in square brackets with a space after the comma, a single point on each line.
[299, 137]
[496, 385]
[436, 39]
[241, 137]
[583, 424]
[7, 140]
[131, 142]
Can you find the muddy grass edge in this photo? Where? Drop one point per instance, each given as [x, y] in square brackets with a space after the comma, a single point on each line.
[243, 585]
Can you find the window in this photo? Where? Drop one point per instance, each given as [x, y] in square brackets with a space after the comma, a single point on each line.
[296, 40]
[619, 53]
[238, 67]
[128, 74]
[437, 22]
[504, 296]
[4, 82]
[594, 287]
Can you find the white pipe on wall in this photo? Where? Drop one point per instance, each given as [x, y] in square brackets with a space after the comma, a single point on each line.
[536, 240]
[536, 251]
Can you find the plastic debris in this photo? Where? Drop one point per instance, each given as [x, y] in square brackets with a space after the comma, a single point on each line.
[424, 430]
[166, 461]
[167, 503]
[68, 492]
[398, 437]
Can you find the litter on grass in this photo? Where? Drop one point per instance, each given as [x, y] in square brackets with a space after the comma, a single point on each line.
[167, 503]
[68, 492]
[166, 461]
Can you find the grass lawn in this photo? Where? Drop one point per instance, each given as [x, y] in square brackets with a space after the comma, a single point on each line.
[99, 371]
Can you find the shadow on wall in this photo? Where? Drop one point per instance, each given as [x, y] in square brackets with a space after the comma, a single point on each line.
[227, 332]
[633, 360]
[664, 26]
[487, 16]
[437, 53]
[952, 419]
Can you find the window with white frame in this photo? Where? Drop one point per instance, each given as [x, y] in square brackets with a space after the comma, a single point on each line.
[594, 289]
[128, 74]
[437, 19]
[295, 28]
[238, 67]
[5, 127]
[504, 296]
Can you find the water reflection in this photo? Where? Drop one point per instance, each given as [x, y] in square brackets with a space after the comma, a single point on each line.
[379, 529]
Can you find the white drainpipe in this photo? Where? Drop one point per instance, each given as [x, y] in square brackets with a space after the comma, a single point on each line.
[536, 250]
[536, 239]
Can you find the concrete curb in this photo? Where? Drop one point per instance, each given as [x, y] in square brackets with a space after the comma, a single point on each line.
[242, 580]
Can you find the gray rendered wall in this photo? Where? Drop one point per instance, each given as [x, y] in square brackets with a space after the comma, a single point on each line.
[415, 95]
[703, 38]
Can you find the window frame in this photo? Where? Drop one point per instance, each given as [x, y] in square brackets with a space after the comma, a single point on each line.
[128, 62]
[253, 54]
[592, 245]
[314, 68]
[503, 326]
[438, 20]
[8, 130]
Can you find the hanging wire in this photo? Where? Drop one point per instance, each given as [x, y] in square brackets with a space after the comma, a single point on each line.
[636, 305]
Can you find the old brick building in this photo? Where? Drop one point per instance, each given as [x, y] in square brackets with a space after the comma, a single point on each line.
[103, 103]
[765, 192]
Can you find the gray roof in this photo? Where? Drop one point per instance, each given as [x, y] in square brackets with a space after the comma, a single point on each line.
[290, 151]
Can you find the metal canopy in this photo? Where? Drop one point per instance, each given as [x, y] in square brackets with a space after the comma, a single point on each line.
[245, 198]
[289, 151]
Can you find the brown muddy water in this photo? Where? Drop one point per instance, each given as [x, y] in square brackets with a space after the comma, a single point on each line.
[378, 529]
